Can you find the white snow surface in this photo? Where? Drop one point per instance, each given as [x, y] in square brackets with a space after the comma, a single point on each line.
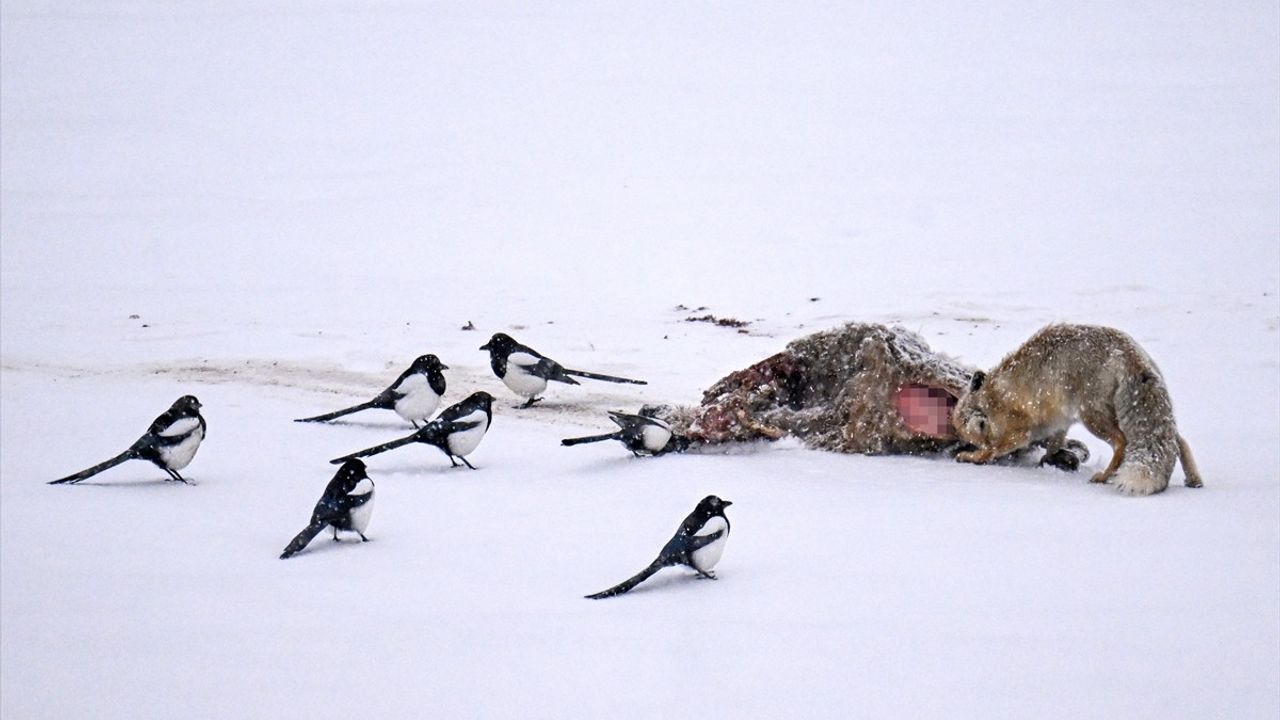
[296, 199]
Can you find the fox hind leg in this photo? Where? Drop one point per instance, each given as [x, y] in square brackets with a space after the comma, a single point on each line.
[1106, 428]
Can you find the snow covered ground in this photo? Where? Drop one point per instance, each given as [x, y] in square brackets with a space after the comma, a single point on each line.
[296, 200]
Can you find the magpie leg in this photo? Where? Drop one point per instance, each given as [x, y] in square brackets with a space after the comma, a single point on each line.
[174, 474]
[464, 462]
[362, 537]
[705, 573]
[452, 462]
[529, 403]
[335, 534]
[415, 424]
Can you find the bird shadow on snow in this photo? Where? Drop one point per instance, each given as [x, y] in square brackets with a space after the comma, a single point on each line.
[670, 580]
[622, 458]
[588, 412]
[749, 447]
[326, 544]
[366, 424]
[442, 470]
[132, 483]
[616, 461]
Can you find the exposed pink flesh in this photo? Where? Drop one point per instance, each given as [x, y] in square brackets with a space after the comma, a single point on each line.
[926, 410]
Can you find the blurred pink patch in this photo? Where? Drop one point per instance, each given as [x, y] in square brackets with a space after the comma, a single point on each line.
[926, 410]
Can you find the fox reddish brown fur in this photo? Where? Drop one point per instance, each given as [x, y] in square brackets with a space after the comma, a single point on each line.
[1064, 373]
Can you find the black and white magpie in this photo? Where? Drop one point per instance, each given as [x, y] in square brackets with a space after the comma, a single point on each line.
[347, 504]
[414, 395]
[457, 431]
[171, 442]
[641, 434]
[698, 544]
[526, 371]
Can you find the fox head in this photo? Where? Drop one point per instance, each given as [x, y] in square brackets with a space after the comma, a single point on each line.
[991, 413]
[970, 416]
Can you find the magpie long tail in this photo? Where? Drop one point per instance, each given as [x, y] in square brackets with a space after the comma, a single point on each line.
[126, 455]
[629, 583]
[376, 449]
[591, 438]
[606, 378]
[339, 413]
[300, 541]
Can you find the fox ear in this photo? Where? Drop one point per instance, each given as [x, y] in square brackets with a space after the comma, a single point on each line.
[976, 381]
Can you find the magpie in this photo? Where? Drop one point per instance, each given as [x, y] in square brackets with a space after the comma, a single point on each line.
[526, 371]
[641, 434]
[698, 544]
[414, 395]
[171, 442]
[347, 504]
[457, 431]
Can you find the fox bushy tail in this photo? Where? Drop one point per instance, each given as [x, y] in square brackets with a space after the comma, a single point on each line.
[1144, 414]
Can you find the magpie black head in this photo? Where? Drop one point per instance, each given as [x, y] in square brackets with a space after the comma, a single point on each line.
[186, 405]
[481, 398]
[501, 343]
[351, 473]
[354, 465]
[428, 362]
[712, 505]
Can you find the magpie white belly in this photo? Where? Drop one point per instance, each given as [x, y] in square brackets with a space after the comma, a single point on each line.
[420, 402]
[178, 456]
[706, 557]
[461, 443]
[360, 516]
[522, 383]
[655, 437]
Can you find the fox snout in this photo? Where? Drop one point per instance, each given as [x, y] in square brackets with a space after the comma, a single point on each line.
[971, 427]
[968, 419]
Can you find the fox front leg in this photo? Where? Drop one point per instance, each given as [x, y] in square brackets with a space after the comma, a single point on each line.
[981, 456]
[988, 453]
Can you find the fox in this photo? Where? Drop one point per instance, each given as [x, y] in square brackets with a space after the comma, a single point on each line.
[1097, 375]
